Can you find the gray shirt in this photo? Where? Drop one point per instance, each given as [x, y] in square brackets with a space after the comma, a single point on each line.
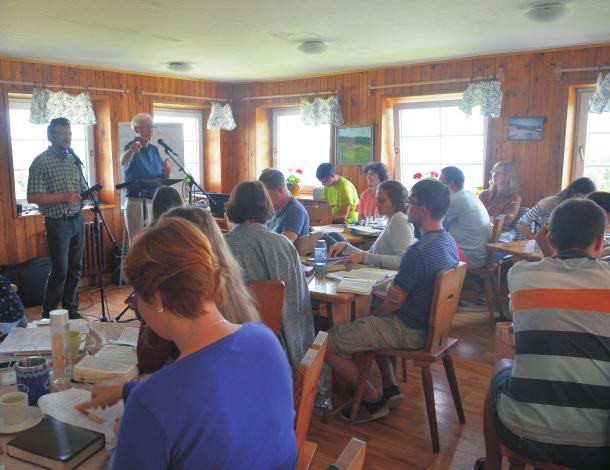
[266, 255]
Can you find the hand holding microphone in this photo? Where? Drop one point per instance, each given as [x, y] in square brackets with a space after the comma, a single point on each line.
[136, 145]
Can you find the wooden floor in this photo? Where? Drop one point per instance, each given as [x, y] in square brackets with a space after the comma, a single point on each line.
[401, 440]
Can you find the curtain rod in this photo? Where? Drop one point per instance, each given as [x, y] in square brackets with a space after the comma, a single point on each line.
[188, 97]
[499, 76]
[292, 95]
[557, 70]
[73, 87]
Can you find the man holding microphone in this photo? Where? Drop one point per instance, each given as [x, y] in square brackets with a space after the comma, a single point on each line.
[141, 160]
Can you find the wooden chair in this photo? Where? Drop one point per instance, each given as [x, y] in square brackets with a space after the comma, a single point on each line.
[352, 457]
[319, 213]
[269, 297]
[438, 346]
[306, 381]
[489, 274]
[518, 462]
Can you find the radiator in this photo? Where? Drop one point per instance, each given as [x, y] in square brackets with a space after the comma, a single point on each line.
[89, 257]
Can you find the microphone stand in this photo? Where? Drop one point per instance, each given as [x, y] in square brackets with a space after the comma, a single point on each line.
[191, 181]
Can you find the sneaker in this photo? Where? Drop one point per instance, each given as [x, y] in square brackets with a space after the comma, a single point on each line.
[481, 299]
[45, 314]
[393, 396]
[369, 411]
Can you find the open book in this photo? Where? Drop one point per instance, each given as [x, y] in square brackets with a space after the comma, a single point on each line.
[112, 362]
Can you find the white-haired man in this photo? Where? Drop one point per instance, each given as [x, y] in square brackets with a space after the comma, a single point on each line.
[141, 160]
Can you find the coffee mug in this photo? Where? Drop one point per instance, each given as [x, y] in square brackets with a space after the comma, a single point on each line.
[33, 372]
[14, 407]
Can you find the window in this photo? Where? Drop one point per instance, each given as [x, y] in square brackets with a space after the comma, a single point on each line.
[30, 140]
[192, 126]
[435, 134]
[592, 144]
[298, 146]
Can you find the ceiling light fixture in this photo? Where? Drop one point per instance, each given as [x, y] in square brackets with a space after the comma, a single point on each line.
[180, 66]
[545, 12]
[313, 46]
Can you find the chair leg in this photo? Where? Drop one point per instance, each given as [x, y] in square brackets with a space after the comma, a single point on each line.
[453, 386]
[426, 377]
[404, 370]
[491, 307]
[364, 361]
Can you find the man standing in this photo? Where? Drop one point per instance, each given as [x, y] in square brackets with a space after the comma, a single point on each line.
[141, 160]
[290, 218]
[552, 402]
[55, 183]
[401, 322]
[340, 194]
[467, 220]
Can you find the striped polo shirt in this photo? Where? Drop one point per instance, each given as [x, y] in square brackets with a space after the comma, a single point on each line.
[559, 390]
[434, 252]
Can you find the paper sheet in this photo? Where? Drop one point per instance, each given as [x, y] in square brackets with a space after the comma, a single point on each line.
[61, 406]
[369, 274]
[129, 337]
[27, 341]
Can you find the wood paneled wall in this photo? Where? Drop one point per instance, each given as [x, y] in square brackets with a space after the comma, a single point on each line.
[530, 90]
[22, 238]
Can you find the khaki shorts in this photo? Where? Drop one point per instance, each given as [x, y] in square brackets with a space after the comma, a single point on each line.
[370, 333]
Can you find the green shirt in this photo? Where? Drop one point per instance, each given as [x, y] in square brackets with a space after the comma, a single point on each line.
[341, 193]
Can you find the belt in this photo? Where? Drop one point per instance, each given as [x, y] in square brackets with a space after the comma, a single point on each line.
[65, 217]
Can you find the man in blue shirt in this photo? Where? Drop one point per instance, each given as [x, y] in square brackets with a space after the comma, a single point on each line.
[141, 160]
[291, 218]
[401, 322]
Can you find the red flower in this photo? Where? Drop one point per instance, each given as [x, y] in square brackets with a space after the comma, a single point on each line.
[434, 174]
[299, 171]
[417, 176]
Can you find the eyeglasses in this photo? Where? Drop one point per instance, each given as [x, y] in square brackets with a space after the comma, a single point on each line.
[147, 127]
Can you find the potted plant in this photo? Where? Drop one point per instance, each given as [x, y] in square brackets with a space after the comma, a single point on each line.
[431, 175]
[293, 180]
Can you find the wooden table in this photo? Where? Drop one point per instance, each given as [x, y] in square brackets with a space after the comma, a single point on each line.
[521, 250]
[341, 307]
[356, 240]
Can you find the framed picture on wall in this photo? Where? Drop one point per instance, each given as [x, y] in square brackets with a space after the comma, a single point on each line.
[354, 144]
[525, 128]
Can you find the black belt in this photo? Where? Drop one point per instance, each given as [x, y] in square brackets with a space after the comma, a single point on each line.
[65, 217]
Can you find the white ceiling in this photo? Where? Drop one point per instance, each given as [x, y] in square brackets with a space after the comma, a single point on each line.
[239, 40]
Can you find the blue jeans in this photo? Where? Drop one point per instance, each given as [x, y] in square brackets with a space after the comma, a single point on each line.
[66, 244]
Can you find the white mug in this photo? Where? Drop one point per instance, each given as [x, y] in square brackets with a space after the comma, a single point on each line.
[14, 407]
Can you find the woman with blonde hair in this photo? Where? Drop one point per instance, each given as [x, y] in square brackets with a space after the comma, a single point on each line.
[502, 197]
[194, 412]
[237, 306]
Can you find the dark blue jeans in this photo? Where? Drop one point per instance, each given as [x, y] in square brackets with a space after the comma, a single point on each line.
[66, 243]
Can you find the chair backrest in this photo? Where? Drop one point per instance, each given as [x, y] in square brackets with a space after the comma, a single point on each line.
[306, 381]
[447, 290]
[269, 297]
[305, 245]
[319, 213]
[352, 457]
[496, 231]
[518, 234]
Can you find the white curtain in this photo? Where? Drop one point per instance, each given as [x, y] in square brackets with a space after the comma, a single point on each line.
[321, 111]
[47, 105]
[600, 101]
[487, 94]
[221, 117]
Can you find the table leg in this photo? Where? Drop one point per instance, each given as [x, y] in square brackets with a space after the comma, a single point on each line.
[339, 314]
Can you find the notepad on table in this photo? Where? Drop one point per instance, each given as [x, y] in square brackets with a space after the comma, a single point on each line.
[356, 286]
[369, 274]
[112, 362]
[27, 341]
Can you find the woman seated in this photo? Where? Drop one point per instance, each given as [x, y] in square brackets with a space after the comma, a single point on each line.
[539, 215]
[502, 197]
[238, 306]
[266, 255]
[165, 198]
[11, 308]
[231, 384]
[375, 173]
[396, 237]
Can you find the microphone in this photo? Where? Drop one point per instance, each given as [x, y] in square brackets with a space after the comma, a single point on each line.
[85, 194]
[77, 160]
[166, 147]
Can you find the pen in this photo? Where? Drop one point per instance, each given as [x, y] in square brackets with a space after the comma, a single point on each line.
[92, 416]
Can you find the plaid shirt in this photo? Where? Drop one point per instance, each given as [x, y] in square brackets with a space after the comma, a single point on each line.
[55, 172]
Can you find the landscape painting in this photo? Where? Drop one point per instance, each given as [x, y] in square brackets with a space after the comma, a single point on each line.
[525, 128]
[354, 144]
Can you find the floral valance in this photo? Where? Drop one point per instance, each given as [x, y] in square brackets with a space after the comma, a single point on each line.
[321, 111]
[48, 105]
[487, 94]
[221, 117]
[600, 101]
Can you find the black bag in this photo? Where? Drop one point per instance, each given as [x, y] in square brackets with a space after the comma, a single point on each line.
[30, 278]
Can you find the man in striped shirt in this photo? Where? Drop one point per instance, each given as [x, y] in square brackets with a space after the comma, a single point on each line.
[552, 403]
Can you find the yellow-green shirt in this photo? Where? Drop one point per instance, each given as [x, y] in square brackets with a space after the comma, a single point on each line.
[343, 192]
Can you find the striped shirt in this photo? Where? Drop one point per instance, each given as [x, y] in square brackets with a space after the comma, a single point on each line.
[539, 215]
[434, 252]
[559, 391]
[54, 172]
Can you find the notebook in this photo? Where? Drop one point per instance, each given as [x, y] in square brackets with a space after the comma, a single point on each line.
[56, 445]
[112, 362]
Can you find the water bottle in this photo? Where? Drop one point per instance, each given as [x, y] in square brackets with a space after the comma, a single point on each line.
[60, 346]
[319, 265]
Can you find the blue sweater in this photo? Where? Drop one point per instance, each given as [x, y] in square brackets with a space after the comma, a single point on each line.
[226, 406]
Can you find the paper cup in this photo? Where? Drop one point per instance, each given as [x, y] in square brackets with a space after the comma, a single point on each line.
[14, 407]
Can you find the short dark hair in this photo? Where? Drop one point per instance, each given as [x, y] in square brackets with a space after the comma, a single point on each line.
[379, 168]
[601, 198]
[165, 198]
[249, 201]
[433, 195]
[579, 186]
[454, 175]
[57, 122]
[576, 223]
[272, 179]
[397, 193]
[325, 170]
